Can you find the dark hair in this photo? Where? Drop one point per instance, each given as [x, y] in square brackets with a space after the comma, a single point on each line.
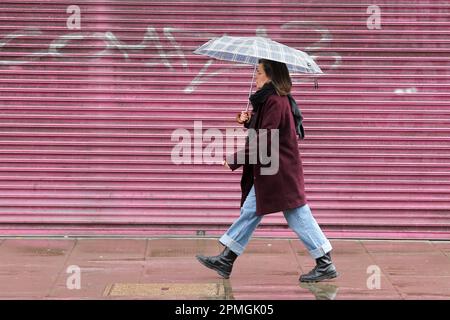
[279, 74]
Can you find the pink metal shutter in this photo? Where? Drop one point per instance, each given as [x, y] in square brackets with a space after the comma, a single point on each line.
[87, 116]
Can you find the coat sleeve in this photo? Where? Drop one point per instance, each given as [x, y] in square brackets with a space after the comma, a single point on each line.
[270, 119]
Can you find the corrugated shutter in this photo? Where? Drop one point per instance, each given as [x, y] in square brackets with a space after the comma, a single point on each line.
[87, 115]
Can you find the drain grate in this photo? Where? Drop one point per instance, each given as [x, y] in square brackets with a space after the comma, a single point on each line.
[161, 290]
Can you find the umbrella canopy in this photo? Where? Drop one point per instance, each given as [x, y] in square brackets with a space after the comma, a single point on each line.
[249, 50]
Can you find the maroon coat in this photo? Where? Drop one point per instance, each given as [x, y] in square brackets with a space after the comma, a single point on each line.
[285, 189]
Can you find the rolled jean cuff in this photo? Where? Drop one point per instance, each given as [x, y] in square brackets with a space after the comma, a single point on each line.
[321, 251]
[227, 241]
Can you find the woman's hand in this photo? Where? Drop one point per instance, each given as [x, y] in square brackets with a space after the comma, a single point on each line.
[244, 116]
[224, 163]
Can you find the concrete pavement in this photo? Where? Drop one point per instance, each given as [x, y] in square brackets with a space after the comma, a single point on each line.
[166, 268]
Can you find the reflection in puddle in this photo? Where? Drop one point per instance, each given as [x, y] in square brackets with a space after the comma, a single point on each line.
[322, 291]
[228, 290]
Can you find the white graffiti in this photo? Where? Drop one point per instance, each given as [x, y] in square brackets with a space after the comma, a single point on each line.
[166, 45]
[405, 90]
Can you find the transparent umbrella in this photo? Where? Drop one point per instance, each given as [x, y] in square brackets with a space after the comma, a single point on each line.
[248, 50]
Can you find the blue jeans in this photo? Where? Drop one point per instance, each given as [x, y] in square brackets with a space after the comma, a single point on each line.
[300, 220]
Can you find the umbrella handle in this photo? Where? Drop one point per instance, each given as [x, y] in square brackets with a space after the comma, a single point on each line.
[251, 87]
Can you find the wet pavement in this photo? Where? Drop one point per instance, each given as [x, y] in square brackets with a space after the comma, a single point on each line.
[166, 268]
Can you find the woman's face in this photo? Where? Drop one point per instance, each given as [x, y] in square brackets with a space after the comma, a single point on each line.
[261, 77]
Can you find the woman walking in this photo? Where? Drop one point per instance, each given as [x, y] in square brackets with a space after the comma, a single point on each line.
[273, 109]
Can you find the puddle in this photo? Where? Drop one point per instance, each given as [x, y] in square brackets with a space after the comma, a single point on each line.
[321, 291]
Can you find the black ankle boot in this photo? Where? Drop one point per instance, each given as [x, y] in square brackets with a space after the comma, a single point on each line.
[223, 263]
[323, 270]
